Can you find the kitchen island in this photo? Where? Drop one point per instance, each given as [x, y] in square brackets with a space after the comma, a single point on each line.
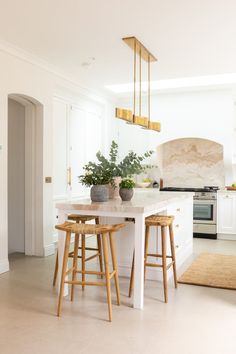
[144, 203]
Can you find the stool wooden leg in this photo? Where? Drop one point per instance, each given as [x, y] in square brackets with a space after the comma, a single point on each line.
[172, 246]
[63, 273]
[107, 274]
[99, 244]
[83, 259]
[75, 264]
[114, 264]
[55, 271]
[147, 234]
[163, 243]
[131, 282]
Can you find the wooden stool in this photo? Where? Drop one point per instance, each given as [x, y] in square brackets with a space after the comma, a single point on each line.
[163, 222]
[98, 250]
[89, 229]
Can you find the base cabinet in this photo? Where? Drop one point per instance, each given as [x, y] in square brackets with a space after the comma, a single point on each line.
[226, 215]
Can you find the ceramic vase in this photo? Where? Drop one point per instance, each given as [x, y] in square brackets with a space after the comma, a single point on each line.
[99, 193]
[126, 194]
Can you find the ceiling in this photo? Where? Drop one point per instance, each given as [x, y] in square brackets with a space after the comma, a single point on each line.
[189, 37]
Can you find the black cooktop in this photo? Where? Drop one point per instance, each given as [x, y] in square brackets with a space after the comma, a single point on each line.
[190, 189]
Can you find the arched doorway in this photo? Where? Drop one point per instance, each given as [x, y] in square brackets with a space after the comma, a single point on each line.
[25, 175]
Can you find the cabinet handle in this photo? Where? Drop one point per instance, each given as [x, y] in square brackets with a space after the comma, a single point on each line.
[69, 176]
[177, 225]
[227, 196]
[176, 246]
[178, 209]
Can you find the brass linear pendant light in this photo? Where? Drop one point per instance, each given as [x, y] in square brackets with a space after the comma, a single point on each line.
[125, 114]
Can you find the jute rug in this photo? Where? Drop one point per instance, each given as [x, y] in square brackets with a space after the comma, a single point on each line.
[213, 270]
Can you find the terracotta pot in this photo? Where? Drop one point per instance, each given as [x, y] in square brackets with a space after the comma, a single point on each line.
[99, 193]
[126, 194]
[114, 192]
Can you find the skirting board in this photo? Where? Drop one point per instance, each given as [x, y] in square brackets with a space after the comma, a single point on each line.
[4, 266]
[230, 237]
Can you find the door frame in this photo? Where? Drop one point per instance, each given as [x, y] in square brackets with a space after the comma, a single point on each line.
[33, 174]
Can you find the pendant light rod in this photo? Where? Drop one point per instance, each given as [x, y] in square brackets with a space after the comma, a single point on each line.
[134, 78]
[149, 100]
[140, 81]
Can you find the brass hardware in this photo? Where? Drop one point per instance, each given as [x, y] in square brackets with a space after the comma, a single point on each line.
[69, 176]
[154, 126]
[143, 121]
[144, 54]
[48, 179]
[137, 46]
[124, 114]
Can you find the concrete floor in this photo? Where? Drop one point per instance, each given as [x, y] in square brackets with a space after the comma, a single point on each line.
[197, 320]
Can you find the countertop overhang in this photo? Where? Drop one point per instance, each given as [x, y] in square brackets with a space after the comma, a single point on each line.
[143, 201]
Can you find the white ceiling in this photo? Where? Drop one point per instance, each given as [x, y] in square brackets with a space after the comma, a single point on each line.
[189, 37]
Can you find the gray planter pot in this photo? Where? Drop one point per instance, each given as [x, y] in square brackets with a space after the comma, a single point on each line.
[99, 193]
[126, 194]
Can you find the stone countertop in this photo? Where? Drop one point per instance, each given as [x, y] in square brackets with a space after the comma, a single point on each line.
[226, 191]
[142, 201]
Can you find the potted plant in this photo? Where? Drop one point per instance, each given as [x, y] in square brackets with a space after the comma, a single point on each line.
[96, 177]
[126, 189]
[130, 165]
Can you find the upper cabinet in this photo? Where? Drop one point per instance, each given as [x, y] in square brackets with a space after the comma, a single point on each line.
[77, 136]
[226, 212]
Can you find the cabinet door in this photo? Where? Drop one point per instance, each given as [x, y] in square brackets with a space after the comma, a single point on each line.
[78, 146]
[85, 141]
[226, 215]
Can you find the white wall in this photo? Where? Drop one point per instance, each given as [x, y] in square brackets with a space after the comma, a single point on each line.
[16, 177]
[206, 114]
[21, 74]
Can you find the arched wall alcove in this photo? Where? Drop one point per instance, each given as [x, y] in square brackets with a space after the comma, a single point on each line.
[191, 162]
[33, 173]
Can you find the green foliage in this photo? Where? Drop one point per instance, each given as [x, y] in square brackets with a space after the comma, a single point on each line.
[130, 165]
[105, 170]
[127, 183]
[95, 174]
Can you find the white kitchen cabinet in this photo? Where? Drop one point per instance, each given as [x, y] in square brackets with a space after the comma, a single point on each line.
[226, 214]
[77, 136]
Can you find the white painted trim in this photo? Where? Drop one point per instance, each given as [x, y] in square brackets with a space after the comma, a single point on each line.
[230, 237]
[4, 266]
[33, 174]
[49, 250]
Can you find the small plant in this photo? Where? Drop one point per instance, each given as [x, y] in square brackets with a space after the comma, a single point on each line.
[95, 174]
[127, 183]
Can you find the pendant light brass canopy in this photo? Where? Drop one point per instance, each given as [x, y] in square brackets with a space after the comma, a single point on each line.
[125, 114]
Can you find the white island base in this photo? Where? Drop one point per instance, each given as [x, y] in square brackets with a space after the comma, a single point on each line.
[144, 203]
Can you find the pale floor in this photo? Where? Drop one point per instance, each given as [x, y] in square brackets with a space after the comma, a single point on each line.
[197, 320]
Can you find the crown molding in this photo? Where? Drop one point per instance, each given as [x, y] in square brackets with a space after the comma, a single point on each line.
[70, 83]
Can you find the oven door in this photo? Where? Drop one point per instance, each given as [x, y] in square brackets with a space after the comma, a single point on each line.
[204, 211]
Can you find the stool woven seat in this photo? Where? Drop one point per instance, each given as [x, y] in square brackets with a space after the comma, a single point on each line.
[89, 229]
[159, 220]
[81, 218]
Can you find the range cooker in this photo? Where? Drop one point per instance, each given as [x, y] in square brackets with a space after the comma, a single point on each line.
[204, 210]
